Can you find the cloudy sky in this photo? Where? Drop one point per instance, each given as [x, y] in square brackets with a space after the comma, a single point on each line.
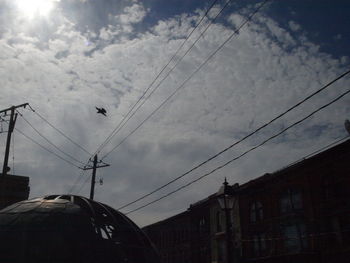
[64, 57]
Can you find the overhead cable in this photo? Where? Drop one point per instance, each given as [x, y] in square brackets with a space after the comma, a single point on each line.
[46, 149]
[59, 131]
[241, 140]
[127, 117]
[77, 181]
[46, 139]
[83, 184]
[188, 78]
[241, 155]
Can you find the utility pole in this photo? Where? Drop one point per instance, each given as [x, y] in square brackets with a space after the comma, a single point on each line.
[93, 178]
[12, 122]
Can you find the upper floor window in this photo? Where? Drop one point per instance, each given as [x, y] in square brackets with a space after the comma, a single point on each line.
[202, 226]
[256, 212]
[290, 201]
[218, 222]
[202, 222]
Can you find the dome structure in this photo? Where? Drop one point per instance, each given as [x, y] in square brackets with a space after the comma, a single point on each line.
[68, 228]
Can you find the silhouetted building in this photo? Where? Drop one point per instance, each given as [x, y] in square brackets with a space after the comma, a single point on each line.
[172, 238]
[197, 235]
[300, 213]
[218, 230]
[66, 228]
[201, 236]
[13, 188]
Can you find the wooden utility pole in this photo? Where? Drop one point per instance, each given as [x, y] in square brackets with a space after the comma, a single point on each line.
[93, 178]
[12, 122]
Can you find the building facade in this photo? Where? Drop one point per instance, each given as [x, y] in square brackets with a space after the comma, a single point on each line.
[172, 238]
[300, 213]
[197, 235]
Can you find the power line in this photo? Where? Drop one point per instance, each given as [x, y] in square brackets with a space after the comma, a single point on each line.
[46, 139]
[71, 140]
[43, 147]
[168, 73]
[241, 140]
[241, 155]
[59, 131]
[40, 145]
[126, 118]
[77, 181]
[82, 186]
[325, 147]
[191, 75]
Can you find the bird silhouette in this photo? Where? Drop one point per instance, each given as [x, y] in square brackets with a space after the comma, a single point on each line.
[102, 111]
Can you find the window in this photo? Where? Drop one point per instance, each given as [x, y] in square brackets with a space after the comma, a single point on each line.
[203, 254]
[202, 226]
[218, 222]
[328, 188]
[256, 212]
[290, 201]
[259, 244]
[220, 251]
[295, 237]
[202, 222]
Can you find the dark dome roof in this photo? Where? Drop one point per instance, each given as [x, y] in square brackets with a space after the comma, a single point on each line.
[68, 228]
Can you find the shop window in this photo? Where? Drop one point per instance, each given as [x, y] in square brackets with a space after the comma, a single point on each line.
[256, 212]
[291, 200]
[259, 244]
[220, 251]
[294, 237]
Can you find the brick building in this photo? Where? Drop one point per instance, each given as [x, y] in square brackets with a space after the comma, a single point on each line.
[197, 235]
[172, 238]
[199, 214]
[13, 188]
[300, 213]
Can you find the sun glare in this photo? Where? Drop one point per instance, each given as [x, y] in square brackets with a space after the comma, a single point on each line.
[35, 8]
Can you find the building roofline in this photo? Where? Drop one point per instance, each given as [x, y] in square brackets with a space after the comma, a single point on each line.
[345, 145]
[166, 219]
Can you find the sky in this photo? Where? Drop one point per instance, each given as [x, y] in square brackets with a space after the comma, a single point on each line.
[197, 94]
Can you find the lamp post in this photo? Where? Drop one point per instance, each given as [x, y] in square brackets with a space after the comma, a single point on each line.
[226, 202]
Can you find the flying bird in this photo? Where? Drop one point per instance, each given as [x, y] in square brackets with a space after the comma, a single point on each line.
[102, 111]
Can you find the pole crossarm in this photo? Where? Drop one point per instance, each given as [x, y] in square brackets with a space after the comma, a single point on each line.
[98, 166]
[15, 107]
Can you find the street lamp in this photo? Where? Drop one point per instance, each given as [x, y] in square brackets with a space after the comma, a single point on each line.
[227, 202]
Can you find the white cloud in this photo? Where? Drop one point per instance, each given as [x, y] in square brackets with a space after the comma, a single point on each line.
[256, 76]
[294, 26]
[133, 14]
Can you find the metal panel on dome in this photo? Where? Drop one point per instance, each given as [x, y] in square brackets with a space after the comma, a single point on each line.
[70, 228]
